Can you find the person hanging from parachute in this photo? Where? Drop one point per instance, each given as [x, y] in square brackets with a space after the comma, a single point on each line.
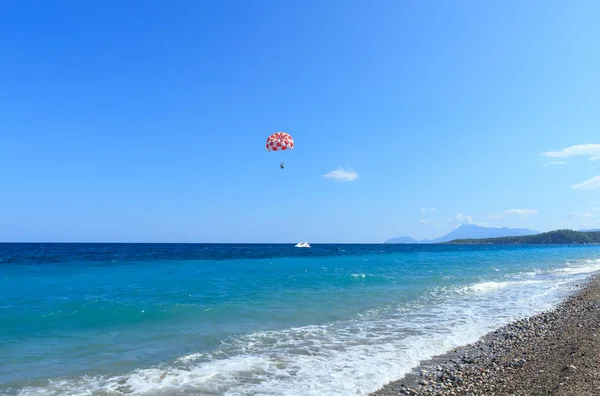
[280, 141]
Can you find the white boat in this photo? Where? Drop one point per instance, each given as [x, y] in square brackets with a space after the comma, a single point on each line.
[303, 244]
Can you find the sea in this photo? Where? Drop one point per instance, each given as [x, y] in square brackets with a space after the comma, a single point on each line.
[258, 319]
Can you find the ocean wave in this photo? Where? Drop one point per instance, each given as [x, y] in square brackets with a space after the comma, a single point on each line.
[320, 359]
[484, 287]
[300, 363]
[528, 274]
[579, 267]
[372, 276]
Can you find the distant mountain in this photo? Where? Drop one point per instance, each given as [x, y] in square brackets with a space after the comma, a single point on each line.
[553, 237]
[472, 231]
[469, 231]
[590, 230]
[404, 239]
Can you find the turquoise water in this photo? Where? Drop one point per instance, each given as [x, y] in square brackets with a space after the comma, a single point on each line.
[257, 319]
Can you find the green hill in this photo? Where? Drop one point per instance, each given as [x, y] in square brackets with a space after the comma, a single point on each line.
[565, 237]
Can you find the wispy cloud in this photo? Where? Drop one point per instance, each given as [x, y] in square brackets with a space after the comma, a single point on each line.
[461, 219]
[589, 150]
[581, 216]
[508, 212]
[555, 163]
[341, 174]
[591, 184]
[586, 220]
[423, 221]
[427, 209]
[521, 212]
[495, 216]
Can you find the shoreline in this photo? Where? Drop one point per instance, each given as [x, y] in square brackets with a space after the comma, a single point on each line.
[556, 352]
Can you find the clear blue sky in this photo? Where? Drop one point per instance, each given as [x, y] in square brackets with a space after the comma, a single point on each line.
[147, 121]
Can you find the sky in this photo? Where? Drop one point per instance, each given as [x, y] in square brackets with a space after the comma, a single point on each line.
[147, 121]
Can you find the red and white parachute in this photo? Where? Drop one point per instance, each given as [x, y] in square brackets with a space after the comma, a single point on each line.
[280, 141]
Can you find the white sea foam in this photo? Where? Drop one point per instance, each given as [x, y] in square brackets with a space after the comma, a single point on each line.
[487, 286]
[324, 361]
[528, 274]
[581, 267]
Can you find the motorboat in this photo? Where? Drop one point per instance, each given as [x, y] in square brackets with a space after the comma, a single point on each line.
[302, 245]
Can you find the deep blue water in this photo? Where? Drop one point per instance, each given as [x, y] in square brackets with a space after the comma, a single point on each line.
[257, 319]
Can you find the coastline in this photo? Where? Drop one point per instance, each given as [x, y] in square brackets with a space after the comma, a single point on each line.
[556, 352]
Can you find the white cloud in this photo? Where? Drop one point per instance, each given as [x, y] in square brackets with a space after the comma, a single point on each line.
[423, 221]
[427, 209]
[588, 215]
[520, 212]
[572, 214]
[555, 163]
[341, 174]
[591, 184]
[591, 150]
[592, 202]
[461, 219]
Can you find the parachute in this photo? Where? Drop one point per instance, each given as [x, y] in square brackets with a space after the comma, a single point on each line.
[280, 141]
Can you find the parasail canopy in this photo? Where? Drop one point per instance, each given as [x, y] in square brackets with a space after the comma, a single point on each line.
[280, 141]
